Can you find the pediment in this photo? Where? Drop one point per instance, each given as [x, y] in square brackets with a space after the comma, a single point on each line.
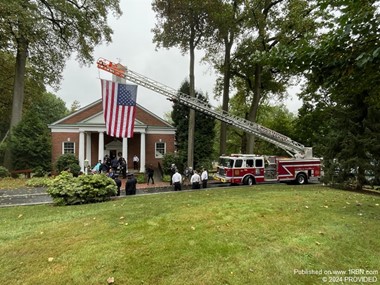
[98, 119]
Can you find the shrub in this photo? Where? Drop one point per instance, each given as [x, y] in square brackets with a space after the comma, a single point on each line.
[140, 177]
[166, 178]
[4, 172]
[68, 161]
[68, 190]
[39, 172]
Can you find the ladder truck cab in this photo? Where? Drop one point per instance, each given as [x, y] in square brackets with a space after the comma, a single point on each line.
[249, 169]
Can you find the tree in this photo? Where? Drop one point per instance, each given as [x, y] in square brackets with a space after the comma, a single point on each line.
[43, 33]
[342, 70]
[203, 134]
[269, 25]
[31, 142]
[227, 21]
[275, 117]
[183, 24]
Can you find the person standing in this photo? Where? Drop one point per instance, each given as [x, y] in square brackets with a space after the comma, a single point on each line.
[114, 163]
[172, 171]
[195, 180]
[204, 178]
[176, 180]
[130, 185]
[118, 183]
[136, 162]
[122, 165]
[150, 173]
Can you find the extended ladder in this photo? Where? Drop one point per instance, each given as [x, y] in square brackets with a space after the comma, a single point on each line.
[284, 142]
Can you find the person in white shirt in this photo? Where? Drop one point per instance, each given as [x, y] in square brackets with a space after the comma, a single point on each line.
[136, 162]
[204, 178]
[195, 180]
[177, 180]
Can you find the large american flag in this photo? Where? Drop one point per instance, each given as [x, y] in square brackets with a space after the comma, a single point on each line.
[119, 108]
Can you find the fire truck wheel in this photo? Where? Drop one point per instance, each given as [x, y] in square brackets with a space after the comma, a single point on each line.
[301, 179]
[249, 180]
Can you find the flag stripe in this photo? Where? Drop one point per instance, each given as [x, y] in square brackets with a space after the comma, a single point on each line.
[119, 107]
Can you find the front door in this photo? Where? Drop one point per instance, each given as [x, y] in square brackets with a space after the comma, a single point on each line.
[113, 153]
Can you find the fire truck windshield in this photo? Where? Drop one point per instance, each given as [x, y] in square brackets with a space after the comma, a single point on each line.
[226, 162]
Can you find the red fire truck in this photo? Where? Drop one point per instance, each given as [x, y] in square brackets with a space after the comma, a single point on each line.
[250, 169]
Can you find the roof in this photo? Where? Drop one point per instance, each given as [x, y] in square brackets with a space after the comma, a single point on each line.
[92, 115]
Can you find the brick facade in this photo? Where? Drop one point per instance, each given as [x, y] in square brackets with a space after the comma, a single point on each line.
[88, 120]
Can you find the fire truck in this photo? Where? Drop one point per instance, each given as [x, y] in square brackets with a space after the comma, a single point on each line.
[249, 169]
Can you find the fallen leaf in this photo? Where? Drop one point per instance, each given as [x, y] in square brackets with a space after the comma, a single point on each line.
[307, 207]
[121, 217]
[193, 228]
[50, 259]
[19, 216]
[110, 280]
[317, 243]
[326, 206]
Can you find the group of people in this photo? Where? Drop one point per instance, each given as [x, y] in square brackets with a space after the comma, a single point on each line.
[192, 176]
[116, 164]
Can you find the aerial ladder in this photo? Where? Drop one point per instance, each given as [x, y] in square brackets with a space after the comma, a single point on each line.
[292, 147]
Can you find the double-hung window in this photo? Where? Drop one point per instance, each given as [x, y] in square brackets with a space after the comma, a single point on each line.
[68, 147]
[160, 149]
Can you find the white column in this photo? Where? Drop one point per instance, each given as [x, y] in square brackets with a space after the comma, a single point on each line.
[88, 148]
[81, 150]
[125, 150]
[101, 146]
[142, 152]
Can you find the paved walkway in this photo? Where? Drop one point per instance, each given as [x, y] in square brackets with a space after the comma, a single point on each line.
[38, 195]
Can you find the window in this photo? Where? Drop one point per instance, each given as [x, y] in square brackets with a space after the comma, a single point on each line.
[259, 163]
[160, 149]
[68, 147]
[238, 162]
[249, 163]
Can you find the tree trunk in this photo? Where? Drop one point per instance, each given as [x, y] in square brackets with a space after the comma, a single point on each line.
[18, 93]
[254, 107]
[226, 94]
[190, 145]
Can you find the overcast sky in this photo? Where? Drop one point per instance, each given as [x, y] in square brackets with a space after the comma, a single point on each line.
[132, 46]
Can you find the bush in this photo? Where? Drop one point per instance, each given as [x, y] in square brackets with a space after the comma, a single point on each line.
[168, 160]
[39, 172]
[140, 177]
[68, 161]
[166, 178]
[4, 172]
[68, 190]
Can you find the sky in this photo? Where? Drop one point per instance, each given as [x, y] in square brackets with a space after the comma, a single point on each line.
[133, 47]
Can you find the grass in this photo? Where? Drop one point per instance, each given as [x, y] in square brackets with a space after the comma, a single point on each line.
[9, 183]
[240, 235]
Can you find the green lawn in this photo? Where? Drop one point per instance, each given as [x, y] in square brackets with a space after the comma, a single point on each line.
[264, 234]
